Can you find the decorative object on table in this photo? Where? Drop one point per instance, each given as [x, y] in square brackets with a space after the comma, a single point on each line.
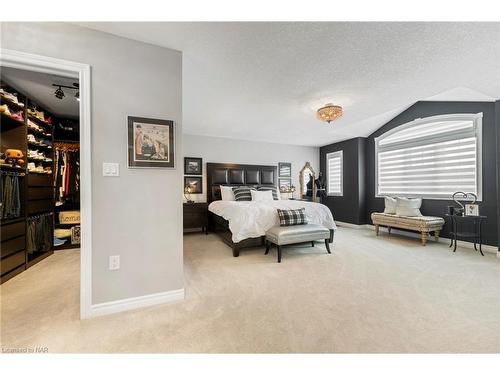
[187, 194]
[475, 235]
[193, 166]
[14, 157]
[329, 112]
[472, 210]
[306, 179]
[285, 169]
[286, 187]
[460, 211]
[194, 183]
[151, 143]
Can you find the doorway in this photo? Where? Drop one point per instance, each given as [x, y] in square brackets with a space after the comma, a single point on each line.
[80, 72]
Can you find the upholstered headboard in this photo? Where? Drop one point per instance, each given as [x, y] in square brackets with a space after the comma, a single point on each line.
[236, 175]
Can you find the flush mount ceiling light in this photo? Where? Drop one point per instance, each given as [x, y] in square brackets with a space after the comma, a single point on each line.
[329, 112]
[59, 93]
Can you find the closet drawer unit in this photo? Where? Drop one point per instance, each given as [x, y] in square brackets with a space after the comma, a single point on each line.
[13, 230]
[10, 247]
[40, 193]
[39, 206]
[40, 180]
[13, 261]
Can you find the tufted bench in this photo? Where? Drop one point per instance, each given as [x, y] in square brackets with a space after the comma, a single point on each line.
[296, 234]
[422, 224]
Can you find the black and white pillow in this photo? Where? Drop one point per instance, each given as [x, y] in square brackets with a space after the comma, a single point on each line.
[242, 193]
[272, 188]
[292, 217]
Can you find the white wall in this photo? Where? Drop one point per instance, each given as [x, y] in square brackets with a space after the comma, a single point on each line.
[225, 150]
[139, 214]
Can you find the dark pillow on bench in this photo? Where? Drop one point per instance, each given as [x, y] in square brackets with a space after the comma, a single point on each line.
[292, 217]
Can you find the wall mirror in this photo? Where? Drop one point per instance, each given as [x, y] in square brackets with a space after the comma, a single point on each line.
[307, 185]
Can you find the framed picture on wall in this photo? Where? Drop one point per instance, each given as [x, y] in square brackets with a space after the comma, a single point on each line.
[194, 183]
[285, 170]
[151, 143]
[193, 166]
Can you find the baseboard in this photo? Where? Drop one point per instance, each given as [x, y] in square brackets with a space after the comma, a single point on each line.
[350, 225]
[465, 244]
[114, 307]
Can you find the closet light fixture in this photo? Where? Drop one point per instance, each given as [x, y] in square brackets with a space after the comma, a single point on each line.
[329, 112]
[59, 93]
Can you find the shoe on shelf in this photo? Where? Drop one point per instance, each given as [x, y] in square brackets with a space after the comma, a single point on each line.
[31, 167]
[4, 109]
[17, 116]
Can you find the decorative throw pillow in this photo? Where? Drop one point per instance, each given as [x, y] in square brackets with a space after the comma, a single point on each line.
[262, 196]
[242, 193]
[390, 205]
[408, 206]
[227, 193]
[276, 192]
[292, 217]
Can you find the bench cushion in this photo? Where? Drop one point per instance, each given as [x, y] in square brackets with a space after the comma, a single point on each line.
[297, 234]
[420, 223]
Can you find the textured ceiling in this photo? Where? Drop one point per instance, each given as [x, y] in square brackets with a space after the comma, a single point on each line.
[38, 87]
[264, 81]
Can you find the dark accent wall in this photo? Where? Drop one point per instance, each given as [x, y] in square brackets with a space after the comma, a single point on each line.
[344, 208]
[350, 207]
[497, 121]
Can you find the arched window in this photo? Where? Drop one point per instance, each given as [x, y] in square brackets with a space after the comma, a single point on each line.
[431, 157]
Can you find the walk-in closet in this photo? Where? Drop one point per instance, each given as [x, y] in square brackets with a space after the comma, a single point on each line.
[39, 167]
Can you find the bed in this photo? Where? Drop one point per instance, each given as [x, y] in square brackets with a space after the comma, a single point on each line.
[243, 224]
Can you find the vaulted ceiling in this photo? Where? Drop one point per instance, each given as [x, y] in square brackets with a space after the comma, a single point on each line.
[264, 81]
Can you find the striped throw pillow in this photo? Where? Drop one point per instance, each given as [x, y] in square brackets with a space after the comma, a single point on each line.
[292, 217]
[242, 193]
[272, 188]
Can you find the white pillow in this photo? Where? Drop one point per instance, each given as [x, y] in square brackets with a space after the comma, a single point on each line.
[408, 206]
[390, 205]
[227, 193]
[262, 196]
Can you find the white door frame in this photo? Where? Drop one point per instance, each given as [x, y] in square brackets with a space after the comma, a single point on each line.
[43, 64]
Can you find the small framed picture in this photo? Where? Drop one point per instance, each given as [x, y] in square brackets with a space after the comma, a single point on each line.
[472, 210]
[193, 166]
[151, 143]
[285, 170]
[284, 183]
[195, 184]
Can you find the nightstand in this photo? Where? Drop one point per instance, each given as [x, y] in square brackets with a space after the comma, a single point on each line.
[196, 216]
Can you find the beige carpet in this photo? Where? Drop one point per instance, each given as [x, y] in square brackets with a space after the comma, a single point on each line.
[386, 294]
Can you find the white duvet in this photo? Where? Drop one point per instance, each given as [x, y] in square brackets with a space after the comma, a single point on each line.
[253, 219]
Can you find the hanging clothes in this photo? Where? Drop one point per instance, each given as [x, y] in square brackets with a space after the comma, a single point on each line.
[10, 206]
[67, 174]
[39, 233]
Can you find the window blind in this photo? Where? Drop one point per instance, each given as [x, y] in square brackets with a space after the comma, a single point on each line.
[334, 173]
[429, 159]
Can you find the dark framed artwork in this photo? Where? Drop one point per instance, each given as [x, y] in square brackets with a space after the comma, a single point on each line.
[151, 143]
[285, 170]
[193, 166]
[284, 183]
[195, 183]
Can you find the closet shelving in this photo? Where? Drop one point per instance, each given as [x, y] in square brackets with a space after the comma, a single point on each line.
[36, 188]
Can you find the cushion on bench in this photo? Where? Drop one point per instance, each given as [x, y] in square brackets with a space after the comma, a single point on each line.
[297, 234]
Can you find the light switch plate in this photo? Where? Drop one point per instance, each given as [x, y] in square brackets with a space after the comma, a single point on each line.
[114, 262]
[110, 169]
